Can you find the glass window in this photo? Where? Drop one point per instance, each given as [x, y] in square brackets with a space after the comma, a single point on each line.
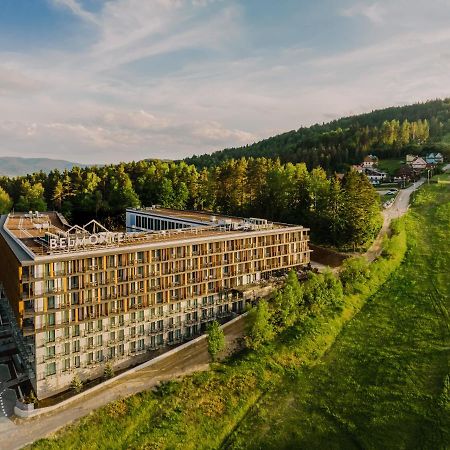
[51, 302]
[51, 368]
[50, 336]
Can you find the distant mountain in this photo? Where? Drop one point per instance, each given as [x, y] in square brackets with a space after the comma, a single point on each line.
[12, 166]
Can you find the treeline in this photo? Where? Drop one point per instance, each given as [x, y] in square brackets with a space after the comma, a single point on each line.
[387, 133]
[342, 212]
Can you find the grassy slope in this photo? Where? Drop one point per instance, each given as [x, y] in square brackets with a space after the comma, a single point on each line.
[203, 410]
[379, 385]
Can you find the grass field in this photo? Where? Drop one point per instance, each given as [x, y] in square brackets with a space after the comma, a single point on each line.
[377, 383]
[390, 165]
[381, 386]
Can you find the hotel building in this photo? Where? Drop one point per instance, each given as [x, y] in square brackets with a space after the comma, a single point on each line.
[81, 296]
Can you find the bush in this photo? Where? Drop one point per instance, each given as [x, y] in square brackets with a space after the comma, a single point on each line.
[259, 326]
[76, 384]
[354, 273]
[108, 371]
[216, 339]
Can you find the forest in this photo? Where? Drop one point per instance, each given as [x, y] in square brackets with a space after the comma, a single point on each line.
[289, 178]
[387, 133]
[341, 212]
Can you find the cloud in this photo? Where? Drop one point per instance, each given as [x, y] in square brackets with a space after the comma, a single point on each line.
[76, 9]
[13, 81]
[374, 12]
[169, 78]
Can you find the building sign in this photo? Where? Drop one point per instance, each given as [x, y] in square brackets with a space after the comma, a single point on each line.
[74, 242]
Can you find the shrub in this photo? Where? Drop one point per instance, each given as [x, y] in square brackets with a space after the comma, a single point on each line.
[108, 371]
[259, 326]
[354, 273]
[76, 384]
[216, 339]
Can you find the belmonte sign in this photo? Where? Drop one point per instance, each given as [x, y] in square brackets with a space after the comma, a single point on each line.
[62, 243]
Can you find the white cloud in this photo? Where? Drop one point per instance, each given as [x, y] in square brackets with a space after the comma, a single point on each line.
[169, 78]
[76, 9]
[374, 12]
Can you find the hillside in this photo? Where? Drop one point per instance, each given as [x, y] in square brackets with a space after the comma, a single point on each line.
[388, 133]
[13, 166]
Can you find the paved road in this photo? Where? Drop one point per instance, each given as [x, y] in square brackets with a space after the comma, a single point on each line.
[397, 210]
[191, 359]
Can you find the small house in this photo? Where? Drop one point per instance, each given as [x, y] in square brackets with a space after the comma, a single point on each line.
[370, 161]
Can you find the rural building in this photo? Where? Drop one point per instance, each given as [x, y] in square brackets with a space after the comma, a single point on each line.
[410, 158]
[370, 161]
[434, 158]
[81, 296]
[418, 164]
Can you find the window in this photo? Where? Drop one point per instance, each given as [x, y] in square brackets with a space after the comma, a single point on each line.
[51, 302]
[50, 336]
[100, 340]
[121, 350]
[66, 332]
[76, 346]
[51, 319]
[76, 330]
[141, 316]
[51, 369]
[100, 325]
[66, 364]
[99, 355]
[51, 352]
[66, 348]
[90, 358]
[141, 344]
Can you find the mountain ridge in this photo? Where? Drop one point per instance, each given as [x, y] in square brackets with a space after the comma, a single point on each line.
[12, 166]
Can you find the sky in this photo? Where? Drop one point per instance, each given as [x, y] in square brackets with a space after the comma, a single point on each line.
[100, 81]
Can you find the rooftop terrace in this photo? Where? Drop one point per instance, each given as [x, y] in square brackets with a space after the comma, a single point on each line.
[49, 233]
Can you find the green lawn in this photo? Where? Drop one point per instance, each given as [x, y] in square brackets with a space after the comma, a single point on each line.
[381, 384]
[390, 165]
[349, 378]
